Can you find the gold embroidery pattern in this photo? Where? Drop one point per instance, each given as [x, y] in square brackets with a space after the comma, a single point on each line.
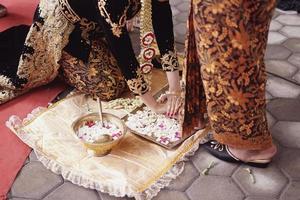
[47, 40]
[44, 40]
[146, 28]
[68, 12]
[169, 62]
[228, 39]
[6, 89]
[6, 95]
[116, 27]
[138, 85]
[86, 27]
[6, 82]
[100, 77]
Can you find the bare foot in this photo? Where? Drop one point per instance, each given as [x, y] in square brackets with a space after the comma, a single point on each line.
[251, 155]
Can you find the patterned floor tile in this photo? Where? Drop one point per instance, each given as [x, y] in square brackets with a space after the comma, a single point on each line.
[72, 192]
[287, 133]
[35, 181]
[214, 188]
[267, 182]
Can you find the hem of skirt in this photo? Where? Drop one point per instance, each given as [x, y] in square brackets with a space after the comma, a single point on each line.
[236, 142]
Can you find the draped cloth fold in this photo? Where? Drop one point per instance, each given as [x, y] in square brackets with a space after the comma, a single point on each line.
[136, 168]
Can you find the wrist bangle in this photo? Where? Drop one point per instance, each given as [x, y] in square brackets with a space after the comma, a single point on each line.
[176, 93]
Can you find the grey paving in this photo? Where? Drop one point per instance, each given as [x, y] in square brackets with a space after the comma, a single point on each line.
[277, 52]
[268, 182]
[276, 38]
[202, 160]
[289, 161]
[285, 109]
[295, 59]
[167, 194]
[32, 157]
[292, 192]
[180, 11]
[281, 68]
[187, 177]
[281, 88]
[271, 119]
[269, 96]
[293, 44]
[289, 20]
[291, 31]
[287, 133]
[108, 197]
[35, 181]
[296, 77]
[260, 198]
[72, 192]
[215, 187]
[275, 25]
[280, 181]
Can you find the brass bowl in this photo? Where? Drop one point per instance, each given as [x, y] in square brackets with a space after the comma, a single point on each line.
[103, 146]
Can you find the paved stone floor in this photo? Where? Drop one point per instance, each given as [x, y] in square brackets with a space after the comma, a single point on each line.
[225, 181]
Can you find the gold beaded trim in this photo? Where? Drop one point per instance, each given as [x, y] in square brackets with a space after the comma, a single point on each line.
[146, 40]
[116, 28]
[68, 12]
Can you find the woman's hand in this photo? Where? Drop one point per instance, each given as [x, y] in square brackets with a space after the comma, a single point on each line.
[168, 104]
[173, 96]
[151, 103]
[160, 108]
[174, 103]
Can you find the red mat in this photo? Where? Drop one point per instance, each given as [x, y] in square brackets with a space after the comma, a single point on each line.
[19, 12]
[13, 152]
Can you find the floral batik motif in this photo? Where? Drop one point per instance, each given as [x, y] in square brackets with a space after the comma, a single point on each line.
[99, 77]
[226, 48]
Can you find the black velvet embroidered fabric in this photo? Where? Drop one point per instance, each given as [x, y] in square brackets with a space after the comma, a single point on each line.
[92, 25]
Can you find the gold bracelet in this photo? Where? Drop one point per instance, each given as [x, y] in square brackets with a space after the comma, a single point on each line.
[176, 93]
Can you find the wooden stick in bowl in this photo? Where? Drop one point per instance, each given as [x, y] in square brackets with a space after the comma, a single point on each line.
[100, 111]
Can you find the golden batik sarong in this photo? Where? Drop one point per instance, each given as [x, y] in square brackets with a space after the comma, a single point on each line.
[225, 71]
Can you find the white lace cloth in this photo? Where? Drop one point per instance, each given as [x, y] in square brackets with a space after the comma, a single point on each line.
[136, 168]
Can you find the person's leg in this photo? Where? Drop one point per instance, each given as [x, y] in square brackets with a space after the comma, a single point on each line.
[3, 11]
[98, 77]
[87, 63]
[231, 40]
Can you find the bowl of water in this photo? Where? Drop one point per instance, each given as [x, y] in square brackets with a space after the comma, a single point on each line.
[99, 138]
